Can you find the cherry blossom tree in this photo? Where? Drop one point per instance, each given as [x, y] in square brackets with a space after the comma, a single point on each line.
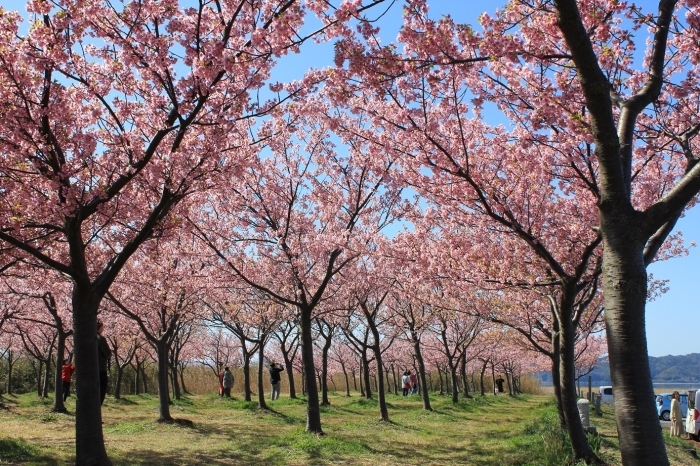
[164, 305]
[113, 112]
[124, 342]
[301, 214]
[599, 149]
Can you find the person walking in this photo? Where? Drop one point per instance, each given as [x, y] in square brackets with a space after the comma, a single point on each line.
[406, 382]
[414, 383]
[275, 370]
[676, 416]
[103, 355]
[67, 371]
[227, 382]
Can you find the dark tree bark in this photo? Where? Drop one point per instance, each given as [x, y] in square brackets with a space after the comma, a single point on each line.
[345, 376]
[481, 379]
[246, 376]
[463, 373]
[370, 316]
[162, 351]
[631, 238]
[313, 410]
[10, 365]
[261, 367]
[425, 395]
[181, 371]
[325, 330]
[89, 440]
[161, 340]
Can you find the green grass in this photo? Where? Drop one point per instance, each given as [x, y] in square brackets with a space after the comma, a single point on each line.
[482, 431]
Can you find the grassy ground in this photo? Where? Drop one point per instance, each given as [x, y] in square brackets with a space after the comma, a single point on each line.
[482, 431]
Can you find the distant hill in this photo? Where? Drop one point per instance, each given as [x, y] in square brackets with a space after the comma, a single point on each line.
[664, 369]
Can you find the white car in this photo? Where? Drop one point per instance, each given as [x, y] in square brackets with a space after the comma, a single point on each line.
[606, 394]
[692, 426]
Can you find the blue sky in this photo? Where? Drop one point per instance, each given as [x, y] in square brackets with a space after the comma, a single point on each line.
[668, 314]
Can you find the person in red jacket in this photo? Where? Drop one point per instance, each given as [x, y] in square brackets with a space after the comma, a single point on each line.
[66, 373]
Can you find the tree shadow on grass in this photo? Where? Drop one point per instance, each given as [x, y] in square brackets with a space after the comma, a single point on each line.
[123, 401]
[16, 451]
[184, 400]
[281, 416]
[178, 422]
[212, 458]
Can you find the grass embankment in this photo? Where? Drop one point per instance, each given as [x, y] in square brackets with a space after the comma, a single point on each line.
[483, 431]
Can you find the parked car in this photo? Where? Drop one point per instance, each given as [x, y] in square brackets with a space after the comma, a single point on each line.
[691, 424]
[606, 395]
[663, 405]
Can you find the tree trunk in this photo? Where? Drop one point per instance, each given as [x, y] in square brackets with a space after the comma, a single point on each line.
[118, 383]
[246, 376]
[625, 288]
[442, 387]
[137, 385]
[493, 378]
[58, 404]
[47, 378]
[10, 366]
[481, 380]
[181, 371]
[421, 371]
[556, 374]
[144, 379]
[37, 373]
[453, 375]
[261, 385]
[347, 380]
[290, 374]
[163, 389]
[172, 369]
[463, 374]
[381, 396]
[579, 440]
[362, 384]
[365, 375]
[313, 410]
[324, 370]
[89, 440]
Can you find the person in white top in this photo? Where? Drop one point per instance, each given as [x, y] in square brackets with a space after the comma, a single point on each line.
[406, 382]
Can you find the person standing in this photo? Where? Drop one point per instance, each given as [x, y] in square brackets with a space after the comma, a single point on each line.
[406, 382]
[220, 376]
[414, 383]
[67, 371]
[499, 384]
[275, 370]
[227, 382]
[676, 416]
[103, 355]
